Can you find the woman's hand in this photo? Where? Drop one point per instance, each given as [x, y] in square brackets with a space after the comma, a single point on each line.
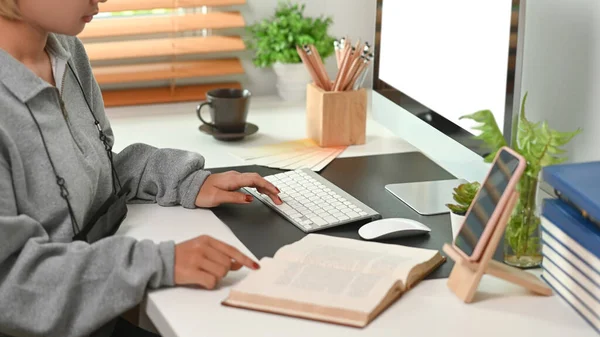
[220, 188]
[204, 261]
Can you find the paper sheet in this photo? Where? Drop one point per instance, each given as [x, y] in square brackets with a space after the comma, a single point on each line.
[303, 153]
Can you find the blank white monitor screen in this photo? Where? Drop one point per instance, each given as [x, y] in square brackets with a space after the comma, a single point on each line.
[451, 56]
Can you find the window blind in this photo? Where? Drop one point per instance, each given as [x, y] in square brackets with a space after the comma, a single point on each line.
[134, 44]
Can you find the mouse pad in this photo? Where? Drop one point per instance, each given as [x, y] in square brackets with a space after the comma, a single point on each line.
[263, 231]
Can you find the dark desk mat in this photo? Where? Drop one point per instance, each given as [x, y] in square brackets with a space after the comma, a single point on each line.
[264, 231]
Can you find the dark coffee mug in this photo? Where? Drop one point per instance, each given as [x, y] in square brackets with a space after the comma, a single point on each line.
[228, 109]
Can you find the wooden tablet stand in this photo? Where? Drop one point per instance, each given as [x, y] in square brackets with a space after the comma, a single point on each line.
[466, 275]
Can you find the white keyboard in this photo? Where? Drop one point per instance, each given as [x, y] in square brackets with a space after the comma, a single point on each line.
[313, 203]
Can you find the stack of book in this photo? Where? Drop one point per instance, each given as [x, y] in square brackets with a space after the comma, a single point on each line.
[571, 237]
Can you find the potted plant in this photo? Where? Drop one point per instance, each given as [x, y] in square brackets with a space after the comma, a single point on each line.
[274, 42]
[540, 146]
[463, 195]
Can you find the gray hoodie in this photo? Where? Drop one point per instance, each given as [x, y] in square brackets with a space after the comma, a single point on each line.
[49, 285]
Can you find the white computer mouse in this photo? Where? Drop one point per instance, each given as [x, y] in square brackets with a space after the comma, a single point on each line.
[392, 228]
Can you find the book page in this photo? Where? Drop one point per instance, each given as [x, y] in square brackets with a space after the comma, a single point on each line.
[356, 256]
[313, 284]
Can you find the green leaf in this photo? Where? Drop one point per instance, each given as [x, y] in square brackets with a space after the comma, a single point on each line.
[275, 39]
[540, 145]
[490, 132]
[463, 195]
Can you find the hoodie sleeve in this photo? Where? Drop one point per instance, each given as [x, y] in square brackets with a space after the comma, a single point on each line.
[69, 289]
[165, 176]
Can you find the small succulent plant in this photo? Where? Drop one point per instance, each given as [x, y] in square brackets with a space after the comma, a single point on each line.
[463, 195]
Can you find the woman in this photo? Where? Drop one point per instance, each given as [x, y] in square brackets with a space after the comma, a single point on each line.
[63, 190]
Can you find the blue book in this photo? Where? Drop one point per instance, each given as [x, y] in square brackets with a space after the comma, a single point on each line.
[572, 300]
[572, 264]
[569, 221]
[578, 184]
[571, 270]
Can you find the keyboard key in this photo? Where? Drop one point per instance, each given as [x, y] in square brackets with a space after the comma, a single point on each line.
[351, 214]
[285, 207]
[363, 213]
[330, 219]
[342, 217]
[308, 214]
[322, 213]
[318, 221]
[347, 203]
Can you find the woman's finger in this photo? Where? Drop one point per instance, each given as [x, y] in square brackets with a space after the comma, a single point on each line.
[236, 265]
[233, 253]
[255, 180]
[216, 269]
[276, 199]
[216, 256]
[204, 279]
[222, 197]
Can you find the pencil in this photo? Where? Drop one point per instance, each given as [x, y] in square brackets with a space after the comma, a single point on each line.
[338, 52]
[350, 65]
[321, 68]
[309, 66]
[315, 64]
[361, 68]
[340, 74]
[359, 83]
[357, 48]
[352, 70]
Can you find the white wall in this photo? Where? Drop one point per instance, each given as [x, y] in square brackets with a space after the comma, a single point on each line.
[561, 70]
[354, 18]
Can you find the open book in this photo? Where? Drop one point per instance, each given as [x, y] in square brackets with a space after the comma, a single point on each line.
[331, 279]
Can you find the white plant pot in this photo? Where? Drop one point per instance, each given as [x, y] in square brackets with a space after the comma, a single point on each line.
[456, 221]
[292, 79]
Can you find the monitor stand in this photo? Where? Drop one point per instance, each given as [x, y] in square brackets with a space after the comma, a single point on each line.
[426, 197]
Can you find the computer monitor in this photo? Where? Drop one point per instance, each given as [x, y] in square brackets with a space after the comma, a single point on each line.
[439, 60]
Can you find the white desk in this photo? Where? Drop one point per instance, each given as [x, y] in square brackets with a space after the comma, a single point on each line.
[428, 310]
[176, 126]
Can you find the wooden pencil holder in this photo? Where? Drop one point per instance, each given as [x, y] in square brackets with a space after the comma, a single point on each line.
[336, 118]
[466, 275]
